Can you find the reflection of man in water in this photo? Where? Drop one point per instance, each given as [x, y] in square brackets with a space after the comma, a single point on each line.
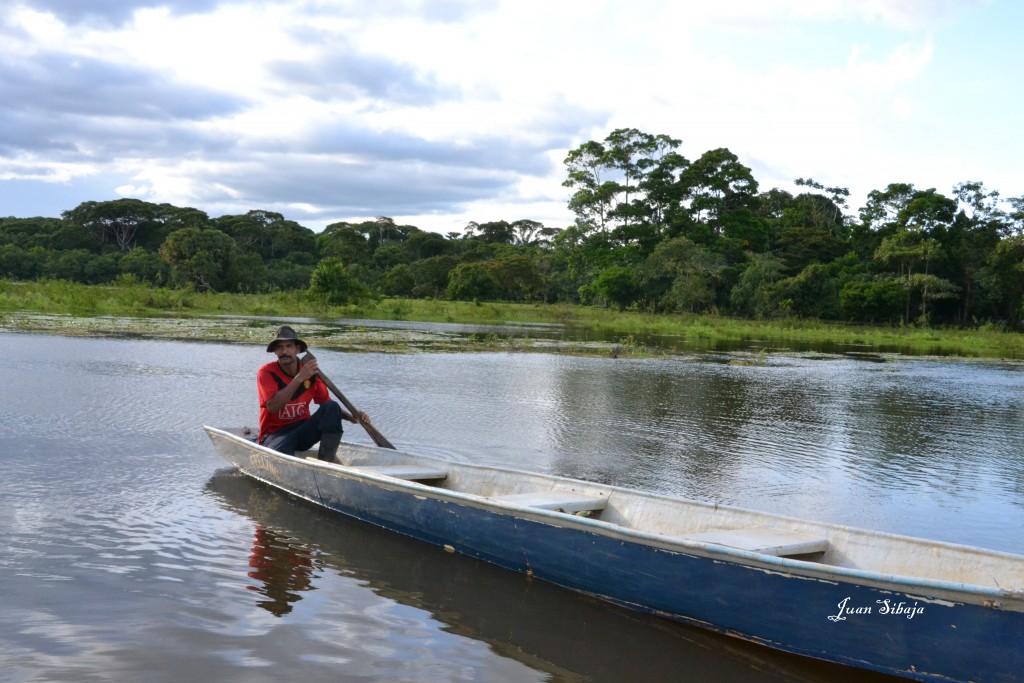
[283, 568]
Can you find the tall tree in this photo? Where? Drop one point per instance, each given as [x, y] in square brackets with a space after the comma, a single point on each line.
[680, 276]
[716, 183]
[805, 229]
[121, 222]
[664, 193]
[974, 233]
[527, 232]
[753, 296]
[1006, 277]
[907, 249]
[837, 197]
[885, 209]
[1015, 218]
[613, 183]
[593, 200]
[345, 242]
[497, 232]
[199, 257]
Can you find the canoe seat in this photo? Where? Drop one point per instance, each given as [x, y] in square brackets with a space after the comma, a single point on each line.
[410, 472]
[559, 501]
[777, 543]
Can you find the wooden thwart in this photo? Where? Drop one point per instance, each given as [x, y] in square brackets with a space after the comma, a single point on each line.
[777, 543]
[559, 501]
[410, 472]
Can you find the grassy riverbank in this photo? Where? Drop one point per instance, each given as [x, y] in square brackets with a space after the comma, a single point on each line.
[57, 300]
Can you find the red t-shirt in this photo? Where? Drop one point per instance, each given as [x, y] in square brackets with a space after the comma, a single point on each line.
[270, 379]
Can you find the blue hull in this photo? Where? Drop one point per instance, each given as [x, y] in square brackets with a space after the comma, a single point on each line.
[893, 632]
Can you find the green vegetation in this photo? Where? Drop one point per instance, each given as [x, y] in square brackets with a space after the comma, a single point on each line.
[661, 245]
[624, 329]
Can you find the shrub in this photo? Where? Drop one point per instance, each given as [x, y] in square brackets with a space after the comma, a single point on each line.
[332, 284]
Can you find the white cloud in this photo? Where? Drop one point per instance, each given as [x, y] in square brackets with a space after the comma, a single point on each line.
[441, 113]
[136, 191]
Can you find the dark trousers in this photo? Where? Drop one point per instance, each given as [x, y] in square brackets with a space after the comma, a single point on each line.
[302, 435]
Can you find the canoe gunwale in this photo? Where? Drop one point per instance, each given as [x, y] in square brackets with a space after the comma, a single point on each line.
[931, 590]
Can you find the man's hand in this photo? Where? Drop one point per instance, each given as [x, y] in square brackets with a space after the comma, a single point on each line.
[309, 369]
[360, 418]
[306, 373]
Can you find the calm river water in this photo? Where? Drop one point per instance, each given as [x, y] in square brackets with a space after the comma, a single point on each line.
[132, 553]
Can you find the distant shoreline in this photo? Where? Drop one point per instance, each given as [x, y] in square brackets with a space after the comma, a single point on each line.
[147, 312]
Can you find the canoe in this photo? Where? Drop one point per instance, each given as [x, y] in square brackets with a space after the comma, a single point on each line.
[921, 609]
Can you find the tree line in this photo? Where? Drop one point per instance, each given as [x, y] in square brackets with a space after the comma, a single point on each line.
[654, 231]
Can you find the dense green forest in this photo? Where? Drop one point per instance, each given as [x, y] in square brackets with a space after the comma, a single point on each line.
[654, 232]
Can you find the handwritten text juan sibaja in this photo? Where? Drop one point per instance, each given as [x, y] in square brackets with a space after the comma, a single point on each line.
[886, 607]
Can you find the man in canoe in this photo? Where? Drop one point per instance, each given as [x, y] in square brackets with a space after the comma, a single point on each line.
[286, 388]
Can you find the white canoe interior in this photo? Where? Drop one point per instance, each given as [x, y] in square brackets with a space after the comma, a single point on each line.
[668, 522]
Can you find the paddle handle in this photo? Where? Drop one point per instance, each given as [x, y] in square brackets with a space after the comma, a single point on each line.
[377, 437]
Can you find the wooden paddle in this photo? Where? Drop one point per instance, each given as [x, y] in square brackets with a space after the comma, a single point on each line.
[377, 437]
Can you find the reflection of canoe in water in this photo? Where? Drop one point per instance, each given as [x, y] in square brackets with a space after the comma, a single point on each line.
[905, 606]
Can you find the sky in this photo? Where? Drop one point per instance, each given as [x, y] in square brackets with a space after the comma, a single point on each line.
[438, 113]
